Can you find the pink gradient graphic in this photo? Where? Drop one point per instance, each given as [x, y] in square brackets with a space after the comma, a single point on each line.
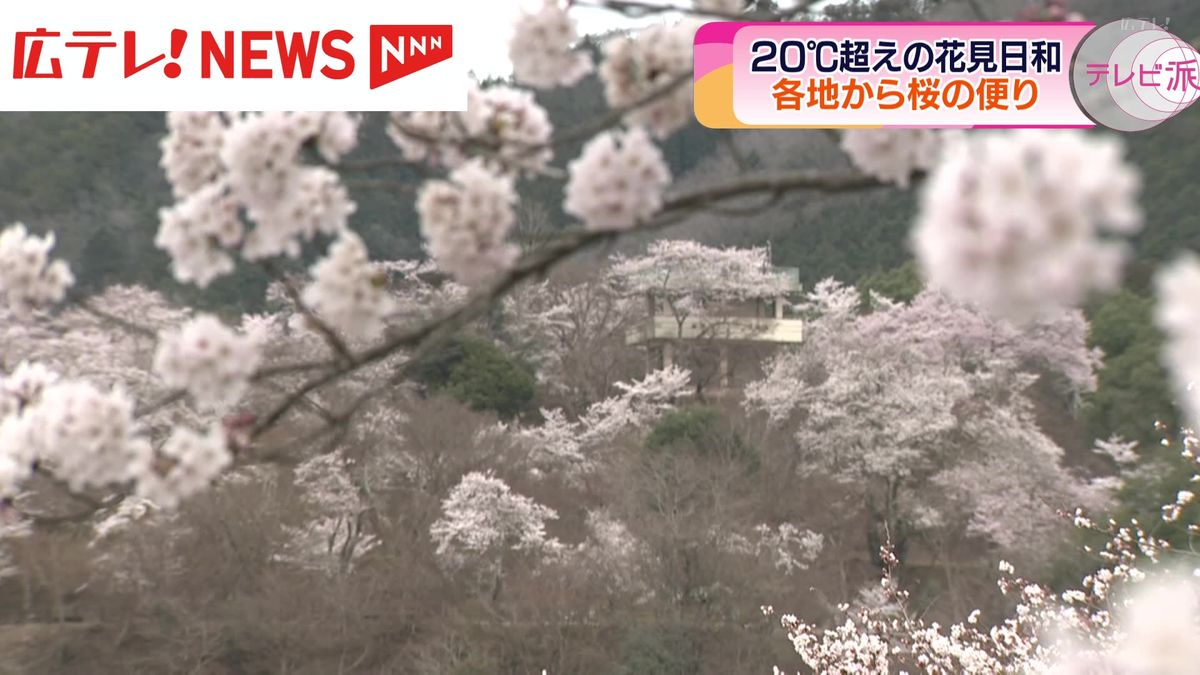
[710, 56]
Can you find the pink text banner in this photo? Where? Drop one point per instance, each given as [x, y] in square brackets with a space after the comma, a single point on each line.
[837, 75]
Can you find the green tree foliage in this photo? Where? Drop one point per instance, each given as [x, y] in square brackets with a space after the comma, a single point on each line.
[901, 283]
[1133, 393]
[1133, 389]
[479, 374]
[847, 238]
[1159, 478]
[702, 431]
[104, 259]
[659, 650]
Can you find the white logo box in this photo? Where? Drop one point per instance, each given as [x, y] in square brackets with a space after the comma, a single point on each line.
[441, 86]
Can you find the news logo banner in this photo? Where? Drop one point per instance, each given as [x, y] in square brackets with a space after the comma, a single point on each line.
[226, 55]
[837, 75]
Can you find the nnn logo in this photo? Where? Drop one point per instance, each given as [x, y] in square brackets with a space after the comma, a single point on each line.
[398, 51]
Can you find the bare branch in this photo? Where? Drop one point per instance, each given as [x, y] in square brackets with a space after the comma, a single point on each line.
[327, 332]
[126, 325]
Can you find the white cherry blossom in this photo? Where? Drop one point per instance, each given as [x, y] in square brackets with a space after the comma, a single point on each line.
[542, 48]
[466, 221]
[655, 61]
[28, 277]
[1026, 222]
[348, 290]
[618, 181]
[208, 360]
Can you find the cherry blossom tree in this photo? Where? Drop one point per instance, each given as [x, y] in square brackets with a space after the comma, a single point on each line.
[687, 275]
[1136, 613]
[574, 446]
[574, 333]
[482, 518]
[336, 534]
[919, 406]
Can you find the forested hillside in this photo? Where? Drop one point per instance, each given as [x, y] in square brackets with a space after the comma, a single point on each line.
[566, 383]
[95, 180]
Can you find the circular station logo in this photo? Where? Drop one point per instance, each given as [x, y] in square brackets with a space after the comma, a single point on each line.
[1131, 75]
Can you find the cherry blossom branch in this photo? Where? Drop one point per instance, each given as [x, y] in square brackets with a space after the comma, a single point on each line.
[289, 369]
[491, 148]
[91, 508]
[166, 400]
[321, 411]
[772, 200]
[614, 116]
[326, 331]
[426, 337]
[126, 325]
[91, 505]
[261, 375]
[390, 161]
[828, 183]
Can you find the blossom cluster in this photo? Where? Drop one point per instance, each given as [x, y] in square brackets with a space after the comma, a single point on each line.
[348, 290]
[222, 166]
[28, 278]
[191, 151]
[642, 74]
[87, 436]
[618, 181]
[482, 516]
[1178, 315]
[893, 155]
[186, 464]
[541, 49]
[208, 360]
[1023, 223]
[466, 220]
[503, 127]
[24, 386]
